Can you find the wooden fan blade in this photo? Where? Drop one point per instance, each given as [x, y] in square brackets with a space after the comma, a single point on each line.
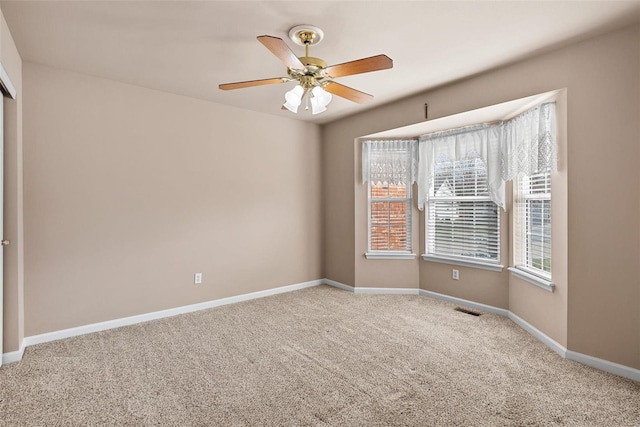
[348, 93]
[250, 83]
[279, 48]
[364, 65]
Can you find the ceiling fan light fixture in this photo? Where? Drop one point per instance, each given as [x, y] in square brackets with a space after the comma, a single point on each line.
[324, 97]
[319, 100]
[316, 108]
[293, 99]
[291, 107]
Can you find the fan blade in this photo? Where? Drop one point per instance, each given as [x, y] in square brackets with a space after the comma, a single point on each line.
[279, 48]
[250, 83]
[364, 65]
[348, 93]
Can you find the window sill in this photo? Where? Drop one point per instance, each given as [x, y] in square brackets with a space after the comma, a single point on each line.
[455, 261]
[390, 255]
[547, 285]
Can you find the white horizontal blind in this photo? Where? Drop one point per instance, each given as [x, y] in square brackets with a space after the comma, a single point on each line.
[533, 233]
[462, 221]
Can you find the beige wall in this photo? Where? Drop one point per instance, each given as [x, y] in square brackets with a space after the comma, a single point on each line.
[604, 207]
[337, 170]
[13, 313]
[346, 208]
[595, 309]
[130, 191]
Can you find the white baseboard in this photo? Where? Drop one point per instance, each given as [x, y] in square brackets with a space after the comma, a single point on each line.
[467, 303]
[537, 333]
[386, 291]
[604, 365]
[366, 290]
[132, 320]
[338, 285]
[614, 368]
[13, 356]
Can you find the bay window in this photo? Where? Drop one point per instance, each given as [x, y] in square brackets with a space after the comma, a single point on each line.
[461, 175]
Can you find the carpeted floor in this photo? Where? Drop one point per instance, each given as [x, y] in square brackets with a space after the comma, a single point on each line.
[316, 357]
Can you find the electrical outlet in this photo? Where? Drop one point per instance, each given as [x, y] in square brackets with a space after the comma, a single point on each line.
[197, 278]
[455, 274]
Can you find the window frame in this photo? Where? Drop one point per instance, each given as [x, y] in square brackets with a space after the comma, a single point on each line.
[475, 262]
[408, 200]
[523, 267]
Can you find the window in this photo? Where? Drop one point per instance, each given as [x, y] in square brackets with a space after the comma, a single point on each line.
[389, 217]
[388, 166]
[533, 224]
[462, 222]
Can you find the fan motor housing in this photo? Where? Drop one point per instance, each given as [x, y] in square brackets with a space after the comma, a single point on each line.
[313, 71]
[311, 61]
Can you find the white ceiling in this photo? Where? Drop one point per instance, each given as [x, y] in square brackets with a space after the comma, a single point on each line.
[189, 47]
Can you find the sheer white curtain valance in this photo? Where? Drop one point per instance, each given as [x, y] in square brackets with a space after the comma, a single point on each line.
[475, 142]
[390, 161]
[521, 146]
[529, 143]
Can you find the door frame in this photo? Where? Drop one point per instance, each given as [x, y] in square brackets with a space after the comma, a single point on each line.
[8, 90]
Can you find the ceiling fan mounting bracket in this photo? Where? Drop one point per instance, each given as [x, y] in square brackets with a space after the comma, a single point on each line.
[306, 35]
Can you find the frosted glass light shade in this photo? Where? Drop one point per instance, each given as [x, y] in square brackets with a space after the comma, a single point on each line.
[319, 100]
[293, 99]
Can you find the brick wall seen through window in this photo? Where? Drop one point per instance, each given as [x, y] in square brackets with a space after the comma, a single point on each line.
[389, 226]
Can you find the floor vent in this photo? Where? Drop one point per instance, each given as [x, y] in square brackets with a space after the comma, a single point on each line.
[464, 310]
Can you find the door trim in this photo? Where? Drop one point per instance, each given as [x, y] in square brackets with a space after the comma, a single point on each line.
[9, 90]
[5, 84]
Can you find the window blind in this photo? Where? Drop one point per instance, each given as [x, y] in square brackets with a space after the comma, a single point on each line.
[533, 236]
[462, 220]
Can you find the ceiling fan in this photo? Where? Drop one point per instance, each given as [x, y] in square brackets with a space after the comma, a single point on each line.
[314, 77]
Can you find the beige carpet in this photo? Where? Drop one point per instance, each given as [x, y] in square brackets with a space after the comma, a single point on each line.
[316, 357]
